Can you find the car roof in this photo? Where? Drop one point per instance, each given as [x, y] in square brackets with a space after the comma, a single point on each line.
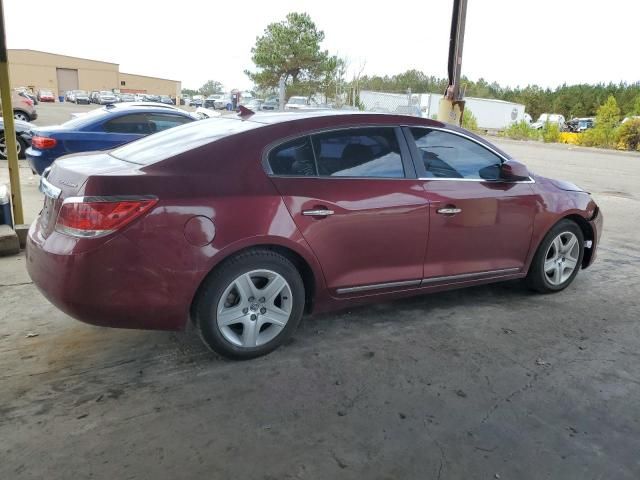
[137, 105]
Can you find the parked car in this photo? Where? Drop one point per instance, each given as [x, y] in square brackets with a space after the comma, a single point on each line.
[101, 129]
[345, 208]
[152, 98]
[94, 96]
[23, 137]
[197, 101]
[271, 104]
[45, 96]
[23, 108]
[127, 97]
[185, 100]
[579, 125]
[105, 97]
[166, 99]
[80, 97]
[216, 101]
[23, 92]
[297, 103]
[552, 118]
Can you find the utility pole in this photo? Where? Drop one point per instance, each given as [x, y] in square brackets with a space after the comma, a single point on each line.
[452, 105]
[9, 127]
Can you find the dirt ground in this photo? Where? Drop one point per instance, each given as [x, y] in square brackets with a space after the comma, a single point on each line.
[483, 383]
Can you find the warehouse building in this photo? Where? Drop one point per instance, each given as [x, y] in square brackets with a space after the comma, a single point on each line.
[42, 70]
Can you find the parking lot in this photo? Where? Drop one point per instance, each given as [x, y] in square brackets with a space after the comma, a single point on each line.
[487, 382]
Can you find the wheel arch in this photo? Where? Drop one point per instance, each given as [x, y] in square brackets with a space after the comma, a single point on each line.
[587, 232]
[309, 275]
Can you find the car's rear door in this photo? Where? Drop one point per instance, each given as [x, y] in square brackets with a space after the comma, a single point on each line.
[480, 226]
[354, 195]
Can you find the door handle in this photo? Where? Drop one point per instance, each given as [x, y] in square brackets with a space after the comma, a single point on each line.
[448, 210]
[317, 212]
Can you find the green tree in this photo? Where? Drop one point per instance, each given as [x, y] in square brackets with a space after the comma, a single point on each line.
[291, 49]
[188, 91]
[636, 106]
[608, 114]
[210, 87]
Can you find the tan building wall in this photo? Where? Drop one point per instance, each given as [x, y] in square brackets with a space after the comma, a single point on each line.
[31, 68]
[35, 69]
[143, 84]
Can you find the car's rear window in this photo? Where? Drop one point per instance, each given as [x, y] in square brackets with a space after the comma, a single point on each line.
[175, 141]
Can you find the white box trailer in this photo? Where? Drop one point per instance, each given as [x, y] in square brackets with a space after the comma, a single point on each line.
[491, 114]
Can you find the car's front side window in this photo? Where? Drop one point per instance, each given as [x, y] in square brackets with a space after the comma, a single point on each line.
[369, 152]
[447, 155]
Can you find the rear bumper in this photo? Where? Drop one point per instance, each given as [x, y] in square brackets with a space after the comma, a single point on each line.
[37, 161]
[107, 284]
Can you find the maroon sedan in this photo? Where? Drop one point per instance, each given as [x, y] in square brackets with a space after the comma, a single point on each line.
[242, 224]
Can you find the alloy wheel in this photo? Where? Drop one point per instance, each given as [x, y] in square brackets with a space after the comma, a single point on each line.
[561, 259]
[3, 147]
[254, 308]
[21, 116]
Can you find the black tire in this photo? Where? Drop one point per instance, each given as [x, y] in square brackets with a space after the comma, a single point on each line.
[537, 279]
[206, 303]
[22, 146]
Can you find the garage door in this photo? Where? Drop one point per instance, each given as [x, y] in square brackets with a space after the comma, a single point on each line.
[67, 80]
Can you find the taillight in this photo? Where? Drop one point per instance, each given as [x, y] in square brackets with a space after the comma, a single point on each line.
[43, 143]
[98, 216]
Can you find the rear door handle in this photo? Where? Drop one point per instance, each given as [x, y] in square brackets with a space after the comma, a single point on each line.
[318, 212]
[449, 210]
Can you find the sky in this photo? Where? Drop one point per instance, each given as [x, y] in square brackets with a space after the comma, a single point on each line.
[512, 42]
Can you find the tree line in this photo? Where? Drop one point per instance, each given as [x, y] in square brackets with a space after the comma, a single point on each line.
[581, 100]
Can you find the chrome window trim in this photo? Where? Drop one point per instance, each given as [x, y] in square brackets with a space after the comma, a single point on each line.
[431, 280]
[281, 141]
[471, 139]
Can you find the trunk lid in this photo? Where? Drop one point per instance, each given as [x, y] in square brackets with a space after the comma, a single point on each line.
[67, 177]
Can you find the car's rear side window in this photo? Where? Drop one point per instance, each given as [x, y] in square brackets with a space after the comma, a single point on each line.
[175, 141]
[135, 123]
[359, 152]
[294, 158]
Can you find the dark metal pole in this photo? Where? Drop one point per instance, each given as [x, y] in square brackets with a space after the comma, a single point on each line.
[452, 105]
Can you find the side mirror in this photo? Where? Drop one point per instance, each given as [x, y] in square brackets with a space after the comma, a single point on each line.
[512, 171]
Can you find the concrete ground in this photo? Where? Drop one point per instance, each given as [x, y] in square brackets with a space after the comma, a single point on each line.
[483, 383]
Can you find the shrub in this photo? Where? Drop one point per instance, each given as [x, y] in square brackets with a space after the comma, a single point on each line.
[469, 121]
[628, 135]
[521, 131]
[550, 133]
[569, 138]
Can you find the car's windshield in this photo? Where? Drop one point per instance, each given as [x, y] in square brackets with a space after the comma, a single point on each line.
[298, 100]
[83, 119]
[104, 92]
[80, 92]
[174, 141]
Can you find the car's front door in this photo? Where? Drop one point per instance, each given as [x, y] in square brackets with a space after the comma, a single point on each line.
[354, 196]
[480, 225]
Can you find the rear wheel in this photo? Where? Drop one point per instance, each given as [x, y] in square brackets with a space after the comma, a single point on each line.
[558, 259]
[250, 305]
[20, 115]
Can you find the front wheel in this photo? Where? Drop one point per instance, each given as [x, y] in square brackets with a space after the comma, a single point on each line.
[558, 259]
[20, 146]
[18, 115]
[250, 305]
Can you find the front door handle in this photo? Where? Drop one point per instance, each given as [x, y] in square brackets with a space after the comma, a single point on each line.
[449, 210]
[318, 212]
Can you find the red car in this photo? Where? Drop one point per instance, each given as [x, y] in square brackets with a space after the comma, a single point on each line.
[242, 224]
[46, 96]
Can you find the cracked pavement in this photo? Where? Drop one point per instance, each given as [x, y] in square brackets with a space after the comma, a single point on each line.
[487, 381]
